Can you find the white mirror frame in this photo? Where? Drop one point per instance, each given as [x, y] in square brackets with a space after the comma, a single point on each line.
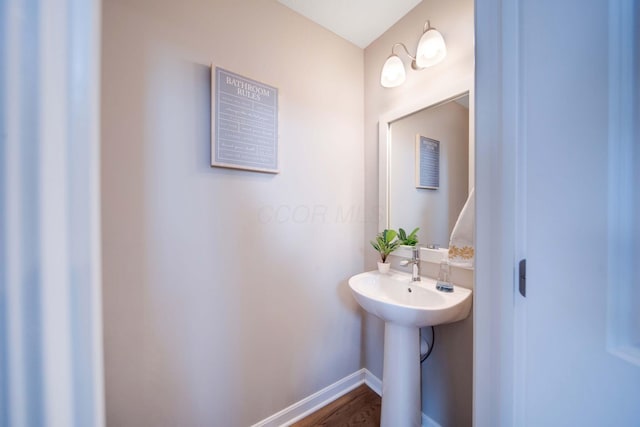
[434, 97]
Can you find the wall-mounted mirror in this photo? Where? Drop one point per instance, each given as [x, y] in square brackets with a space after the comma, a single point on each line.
[426, 166]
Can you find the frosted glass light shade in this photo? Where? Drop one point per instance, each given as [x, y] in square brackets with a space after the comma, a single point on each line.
[393, 73]
[431, 49]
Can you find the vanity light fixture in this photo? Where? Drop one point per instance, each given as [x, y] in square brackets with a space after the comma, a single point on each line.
[431, 50]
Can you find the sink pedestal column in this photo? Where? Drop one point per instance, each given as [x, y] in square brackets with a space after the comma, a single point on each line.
[401, 405]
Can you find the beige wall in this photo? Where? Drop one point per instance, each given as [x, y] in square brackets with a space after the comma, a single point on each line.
[447, 375]
[225, 295]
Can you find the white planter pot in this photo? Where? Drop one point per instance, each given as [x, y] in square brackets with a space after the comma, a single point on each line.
[383, 267]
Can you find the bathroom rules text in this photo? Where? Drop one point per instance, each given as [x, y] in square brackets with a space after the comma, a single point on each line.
[246, 123]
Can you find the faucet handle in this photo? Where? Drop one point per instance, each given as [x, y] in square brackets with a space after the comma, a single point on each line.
[405, 262]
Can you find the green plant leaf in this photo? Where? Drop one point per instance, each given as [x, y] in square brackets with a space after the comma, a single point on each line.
[414, 232]
[385, 243]
[389, 235]
[411, 239]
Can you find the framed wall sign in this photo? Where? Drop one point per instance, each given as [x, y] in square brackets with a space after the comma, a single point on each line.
[427, 163]
[244, 123]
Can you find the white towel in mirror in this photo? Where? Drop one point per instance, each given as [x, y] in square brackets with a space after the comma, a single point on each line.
[462, 245]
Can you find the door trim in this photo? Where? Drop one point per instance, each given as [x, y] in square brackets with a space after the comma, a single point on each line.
[499, 204]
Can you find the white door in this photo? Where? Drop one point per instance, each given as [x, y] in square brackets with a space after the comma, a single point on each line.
[50, 292]
[577, 332]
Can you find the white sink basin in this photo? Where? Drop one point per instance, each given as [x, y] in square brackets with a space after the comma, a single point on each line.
[405, 306]
[394, 298]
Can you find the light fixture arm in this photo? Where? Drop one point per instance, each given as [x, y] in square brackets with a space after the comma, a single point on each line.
[405, 49]
[427, 26]
[413, 58]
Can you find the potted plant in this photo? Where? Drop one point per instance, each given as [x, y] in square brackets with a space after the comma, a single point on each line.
[385, 243]
[408, 240]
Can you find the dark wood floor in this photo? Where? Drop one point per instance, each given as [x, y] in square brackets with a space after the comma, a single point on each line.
[360, 407]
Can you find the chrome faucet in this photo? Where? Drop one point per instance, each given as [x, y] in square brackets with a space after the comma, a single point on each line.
[414, 262]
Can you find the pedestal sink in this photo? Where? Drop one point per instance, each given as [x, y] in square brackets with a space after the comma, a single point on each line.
[405, 307]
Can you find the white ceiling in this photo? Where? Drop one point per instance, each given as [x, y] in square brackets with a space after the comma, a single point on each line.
[359, 21]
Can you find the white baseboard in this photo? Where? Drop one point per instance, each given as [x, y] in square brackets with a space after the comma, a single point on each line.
[310, 404]
[373, 382]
